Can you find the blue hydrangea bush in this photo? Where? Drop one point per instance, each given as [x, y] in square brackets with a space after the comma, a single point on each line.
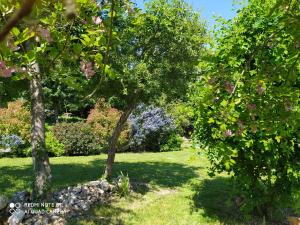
[152, 130]
[11, 141]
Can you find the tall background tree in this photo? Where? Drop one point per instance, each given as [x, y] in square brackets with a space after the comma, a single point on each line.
[156, 54]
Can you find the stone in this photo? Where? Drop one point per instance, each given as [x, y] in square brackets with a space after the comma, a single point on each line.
[60, 221]
[38, 222]
[95, 183]
[105, 186]
[21, 197]
[77, 190]
[72, 202]
[16, 217]
[3, 202]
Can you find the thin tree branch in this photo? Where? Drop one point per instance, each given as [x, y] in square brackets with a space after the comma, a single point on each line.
[17, 17]
[106, 57]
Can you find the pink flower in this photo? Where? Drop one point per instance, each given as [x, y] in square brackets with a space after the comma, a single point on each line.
[2, 65]
[6, 73]
[229, 87]
[87, 69]
[228, 133]
[97, 20]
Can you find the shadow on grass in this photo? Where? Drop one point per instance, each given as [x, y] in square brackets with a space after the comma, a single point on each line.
[105, 214]
[163, 174]
[215, 197]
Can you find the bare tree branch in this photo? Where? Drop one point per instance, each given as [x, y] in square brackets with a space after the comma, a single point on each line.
[17, 17]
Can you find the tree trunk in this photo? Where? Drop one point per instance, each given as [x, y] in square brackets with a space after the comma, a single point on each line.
[41, 165]
[114, 141]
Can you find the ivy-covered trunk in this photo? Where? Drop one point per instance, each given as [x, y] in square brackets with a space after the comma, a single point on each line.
[41, 165]
[112, 148]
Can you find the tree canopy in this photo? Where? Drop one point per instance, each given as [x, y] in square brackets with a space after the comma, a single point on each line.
[247, 102]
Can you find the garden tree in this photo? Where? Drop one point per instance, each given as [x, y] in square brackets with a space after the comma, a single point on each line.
[247, 103]
[31, 51]
[156, 53]
[65, 95]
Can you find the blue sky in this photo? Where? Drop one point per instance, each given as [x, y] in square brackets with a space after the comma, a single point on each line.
[209, 8]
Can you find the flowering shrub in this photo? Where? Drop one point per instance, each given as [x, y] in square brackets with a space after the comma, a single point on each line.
[151, 128]
[103, 120]
[15, 119]
[11, 141]
[247, 107]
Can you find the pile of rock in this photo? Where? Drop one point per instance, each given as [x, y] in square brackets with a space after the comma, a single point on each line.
[67, 203]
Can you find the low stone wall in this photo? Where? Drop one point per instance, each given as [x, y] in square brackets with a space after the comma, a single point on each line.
[65, 204]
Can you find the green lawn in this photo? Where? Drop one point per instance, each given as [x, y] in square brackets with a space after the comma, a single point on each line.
[181, 192]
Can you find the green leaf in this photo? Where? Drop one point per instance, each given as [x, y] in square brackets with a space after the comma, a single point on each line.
[15, 31]
[278, 138]
[211, 120]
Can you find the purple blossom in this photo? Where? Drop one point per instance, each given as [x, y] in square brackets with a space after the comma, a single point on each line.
[148, 125]
[11, 141]
[228, 133]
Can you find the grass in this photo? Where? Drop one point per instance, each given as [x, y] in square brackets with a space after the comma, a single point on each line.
[181, 192]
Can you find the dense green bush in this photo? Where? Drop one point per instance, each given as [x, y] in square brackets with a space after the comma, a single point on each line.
[78, 138]
[182, 113]
[54, 147]
[173, 142]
